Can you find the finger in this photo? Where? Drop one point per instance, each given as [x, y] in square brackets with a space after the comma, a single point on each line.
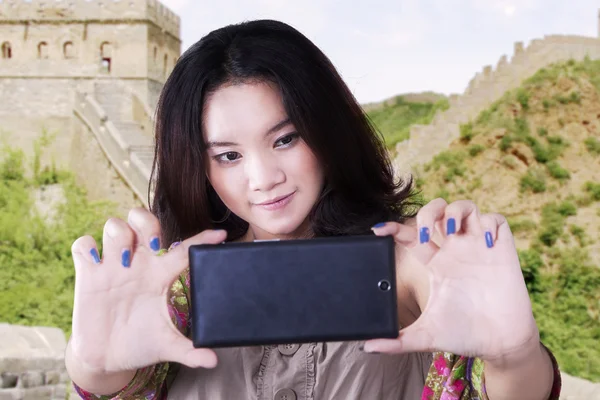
[181, 350]
[407, 236]
[403, 234]
[490, 224]
[427, 218]
[178, 257]
[146, 227]
[117, 243]
[414, 338]
[462, 216]
[85, 252]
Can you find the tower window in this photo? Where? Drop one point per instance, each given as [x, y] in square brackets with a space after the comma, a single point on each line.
[165, 65]
[6, 50]
[42, 50]
[106, 57]
[69, 50]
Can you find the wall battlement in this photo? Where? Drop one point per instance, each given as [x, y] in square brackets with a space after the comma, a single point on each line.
[73, 11]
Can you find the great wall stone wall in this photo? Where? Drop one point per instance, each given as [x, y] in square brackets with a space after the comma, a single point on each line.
[33, 12]
[486, 87]
[32, 363]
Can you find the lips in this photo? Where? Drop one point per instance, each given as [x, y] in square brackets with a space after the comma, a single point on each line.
[275, 200]
[277, 203]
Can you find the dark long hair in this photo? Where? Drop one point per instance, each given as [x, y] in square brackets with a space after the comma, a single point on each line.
[360, 189]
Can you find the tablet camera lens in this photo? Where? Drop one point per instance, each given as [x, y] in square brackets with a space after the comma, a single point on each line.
[384, 285]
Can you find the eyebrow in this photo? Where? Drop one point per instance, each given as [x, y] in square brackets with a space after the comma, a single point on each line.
[271, 131]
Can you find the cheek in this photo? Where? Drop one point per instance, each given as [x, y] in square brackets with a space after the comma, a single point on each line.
[227, 183]
[305, 166]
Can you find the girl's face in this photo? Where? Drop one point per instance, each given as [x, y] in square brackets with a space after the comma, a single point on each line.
[258, 165]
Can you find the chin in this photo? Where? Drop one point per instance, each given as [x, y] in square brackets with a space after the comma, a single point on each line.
[283, 228]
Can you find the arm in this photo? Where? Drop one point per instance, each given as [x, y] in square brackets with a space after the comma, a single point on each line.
[95, 381]
[533, 374]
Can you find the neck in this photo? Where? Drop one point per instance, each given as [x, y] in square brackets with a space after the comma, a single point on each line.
[254, 233]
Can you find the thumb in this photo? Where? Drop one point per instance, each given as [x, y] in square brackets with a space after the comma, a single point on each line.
[178, 256]
[181, 350]
[414, 338]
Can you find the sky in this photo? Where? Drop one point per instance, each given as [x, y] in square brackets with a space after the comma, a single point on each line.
[386, 47]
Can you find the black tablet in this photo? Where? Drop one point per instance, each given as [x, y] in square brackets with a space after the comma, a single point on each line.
[293, 291]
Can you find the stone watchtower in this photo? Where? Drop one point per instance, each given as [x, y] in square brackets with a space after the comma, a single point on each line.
[80, 40]
[52, 51]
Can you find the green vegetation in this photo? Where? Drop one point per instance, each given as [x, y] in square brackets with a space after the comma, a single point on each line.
[594, 189]
[523, 98]
[593, 145]
[521, 225]
[451, 162]
[476, 149]
[394, 120]
[557, 172]
[533, 180]
[567, 311]
[553, 221]
[579, 234]
[542, 132]
[466, 132]
[37, 275]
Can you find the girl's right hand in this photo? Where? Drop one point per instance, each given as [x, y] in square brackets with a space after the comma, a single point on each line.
[120, 316]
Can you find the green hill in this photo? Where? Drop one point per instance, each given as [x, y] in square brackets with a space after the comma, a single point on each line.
[534, 156]
[394, 117]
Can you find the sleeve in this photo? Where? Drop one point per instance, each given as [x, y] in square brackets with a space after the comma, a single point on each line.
[150, 383]
[462, 378]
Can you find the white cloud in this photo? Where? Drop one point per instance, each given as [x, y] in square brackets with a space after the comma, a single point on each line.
[509, 10]
[506, 7]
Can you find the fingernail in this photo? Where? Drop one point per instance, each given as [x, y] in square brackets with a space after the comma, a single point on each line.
[379, 225]
[173, 245]
[424, 235]
[155, 244]
[95, 255]
[362, 348]
[488, 239]
[126, 258]
[450, 226]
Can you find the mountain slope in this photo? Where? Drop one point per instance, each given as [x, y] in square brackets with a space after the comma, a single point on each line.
[394, 116]
[534, 156]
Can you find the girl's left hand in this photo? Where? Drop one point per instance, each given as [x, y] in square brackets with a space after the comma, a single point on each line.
[478, 303]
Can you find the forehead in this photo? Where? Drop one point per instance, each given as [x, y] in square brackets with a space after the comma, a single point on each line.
[242, 109]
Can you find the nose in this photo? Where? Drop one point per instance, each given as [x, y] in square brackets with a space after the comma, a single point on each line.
[264, 173]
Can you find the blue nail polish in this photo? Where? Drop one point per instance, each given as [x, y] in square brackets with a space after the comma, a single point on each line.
[424, 235]
[95, 255]
[379, 225]
[450, 226]
[155, 244]
[488, 239]
[126, 258]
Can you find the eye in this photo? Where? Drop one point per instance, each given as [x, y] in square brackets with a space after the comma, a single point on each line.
[228, 157]
[287, 140]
